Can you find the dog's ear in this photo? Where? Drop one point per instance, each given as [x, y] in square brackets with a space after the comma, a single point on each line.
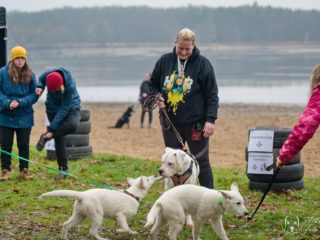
[141, 183]
[166, 149]
[130, 181]
[234, 187]
[225, 195]
[186, 159]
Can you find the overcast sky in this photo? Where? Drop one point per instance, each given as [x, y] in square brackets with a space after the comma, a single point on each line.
[38, 5]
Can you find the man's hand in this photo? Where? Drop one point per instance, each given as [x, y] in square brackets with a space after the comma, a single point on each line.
[208, 129]
[160, 103]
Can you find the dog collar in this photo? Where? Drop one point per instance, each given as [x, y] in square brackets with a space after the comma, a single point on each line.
[181, 179]
[131, 195]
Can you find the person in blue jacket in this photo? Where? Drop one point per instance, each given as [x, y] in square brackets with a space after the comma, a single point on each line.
[63, 111]
[186, 82]
[17, 95]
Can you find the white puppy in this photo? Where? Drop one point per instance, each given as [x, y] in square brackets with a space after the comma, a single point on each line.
[178, 167]
[95, 204]
[201, 203]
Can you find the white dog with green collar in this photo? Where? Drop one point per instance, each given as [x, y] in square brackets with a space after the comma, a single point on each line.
[201, 203]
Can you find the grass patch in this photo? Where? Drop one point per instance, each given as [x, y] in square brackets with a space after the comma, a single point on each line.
[282, 216]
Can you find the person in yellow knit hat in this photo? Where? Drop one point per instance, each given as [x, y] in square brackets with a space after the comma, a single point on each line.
[17, 96]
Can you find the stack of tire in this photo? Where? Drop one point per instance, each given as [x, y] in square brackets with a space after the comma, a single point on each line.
[289, 177]
[77, 143]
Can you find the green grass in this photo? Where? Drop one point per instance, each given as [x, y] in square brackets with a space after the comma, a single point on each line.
[22, 216]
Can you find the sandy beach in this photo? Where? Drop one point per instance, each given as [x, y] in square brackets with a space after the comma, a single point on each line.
[227, 146]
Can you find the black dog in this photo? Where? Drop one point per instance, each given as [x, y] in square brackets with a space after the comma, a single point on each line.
[124, 119]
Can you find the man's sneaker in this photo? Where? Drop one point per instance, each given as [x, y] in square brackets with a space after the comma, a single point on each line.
[24, 174]
[42, 141]
[62, 175]
[5, 175]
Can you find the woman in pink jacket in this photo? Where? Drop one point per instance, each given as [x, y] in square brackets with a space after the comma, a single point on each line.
[307, 125]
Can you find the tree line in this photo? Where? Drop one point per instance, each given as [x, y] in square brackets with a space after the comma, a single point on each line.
[145, 25]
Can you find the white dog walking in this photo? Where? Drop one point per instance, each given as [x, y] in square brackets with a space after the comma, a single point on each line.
[201, 203]
[95, 204]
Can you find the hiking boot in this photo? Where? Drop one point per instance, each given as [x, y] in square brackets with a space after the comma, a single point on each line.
[5, 175]
[24, 174]
[62, 175]
[42, 141]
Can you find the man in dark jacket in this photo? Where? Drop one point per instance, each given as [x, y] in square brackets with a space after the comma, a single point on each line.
[63, 111]
[189, 91]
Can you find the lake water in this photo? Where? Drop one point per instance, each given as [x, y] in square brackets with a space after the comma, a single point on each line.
[247, 74]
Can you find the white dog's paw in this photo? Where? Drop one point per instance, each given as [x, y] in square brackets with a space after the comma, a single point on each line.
[189, 222]
[189, 225]
[120, 230]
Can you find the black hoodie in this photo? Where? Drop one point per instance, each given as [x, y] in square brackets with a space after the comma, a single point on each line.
[195, 98]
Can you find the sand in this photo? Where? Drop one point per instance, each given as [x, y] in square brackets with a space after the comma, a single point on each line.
[227, 145]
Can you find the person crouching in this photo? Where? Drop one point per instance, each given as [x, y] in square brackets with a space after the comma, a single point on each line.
[63, 112]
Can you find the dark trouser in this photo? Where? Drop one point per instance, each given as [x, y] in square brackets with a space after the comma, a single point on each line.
[23, 140]
[68, 125]
[142, 115]
[170, 140]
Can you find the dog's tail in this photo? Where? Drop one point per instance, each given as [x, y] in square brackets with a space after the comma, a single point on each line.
[63, 193]
[153, 214]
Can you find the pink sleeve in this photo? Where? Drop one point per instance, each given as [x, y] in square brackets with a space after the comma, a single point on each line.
[304, 129]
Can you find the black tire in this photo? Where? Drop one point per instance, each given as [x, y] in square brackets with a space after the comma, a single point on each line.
[85, 115]
[288, 173]
[276, 187]
[296, 159]
[73, 152]
[77, 140]
[84, 128]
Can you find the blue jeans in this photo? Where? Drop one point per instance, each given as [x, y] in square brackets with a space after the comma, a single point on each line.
[67, 126]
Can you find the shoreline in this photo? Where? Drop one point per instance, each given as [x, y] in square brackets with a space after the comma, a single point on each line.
[226, 147]
[252, 95]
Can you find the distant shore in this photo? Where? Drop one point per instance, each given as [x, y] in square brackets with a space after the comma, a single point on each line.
[165, 47]
[227, 146]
